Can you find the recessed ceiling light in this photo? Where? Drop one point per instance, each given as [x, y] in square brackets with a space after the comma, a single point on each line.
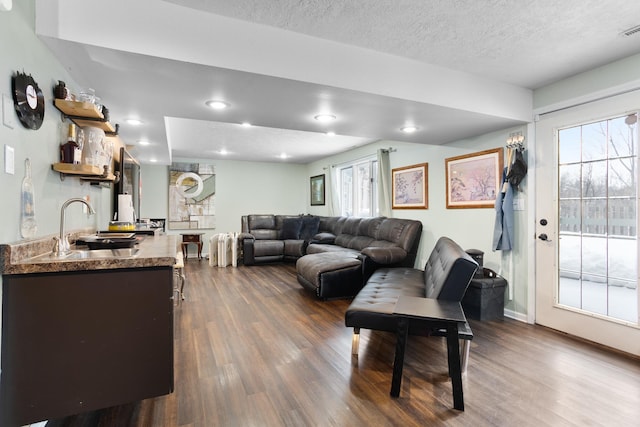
[224, 152]
[134, 122]
[283, 156]
[217, 105]
[409, 129]
[325, 117]
[152, 160]
[331, 134]
[143, 142]
[246, 124]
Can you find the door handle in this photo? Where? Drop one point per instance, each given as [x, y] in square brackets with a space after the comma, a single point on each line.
[544, 237]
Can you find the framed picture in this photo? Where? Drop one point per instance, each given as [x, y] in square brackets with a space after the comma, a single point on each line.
[473, 180]
[317, 190]
[192, 189]
[410, 187]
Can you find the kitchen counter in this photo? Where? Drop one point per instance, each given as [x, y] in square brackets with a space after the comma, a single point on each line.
[29, 256]
[99, 331]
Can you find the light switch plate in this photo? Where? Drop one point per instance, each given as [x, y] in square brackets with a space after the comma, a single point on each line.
[8, 114]
[518, 204]
[9, 160]
[6, 5]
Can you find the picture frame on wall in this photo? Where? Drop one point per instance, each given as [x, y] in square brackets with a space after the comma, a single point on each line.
[317, 190]
[410, 187]
[473, 180]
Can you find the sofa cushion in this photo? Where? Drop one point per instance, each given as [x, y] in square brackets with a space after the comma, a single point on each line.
[291, 228]
[268, 248]
[373, 307]
[324, 238]
[294, 248]
[309, 228]
[261, 221]
[448, 271]
[369, 226]
[264, 234]
[353, 242]
[350, 226]
[316, 248]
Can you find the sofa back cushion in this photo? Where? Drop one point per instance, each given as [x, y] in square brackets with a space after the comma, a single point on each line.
[404, 233]
[263, 227]
[448, 271]
[331, 224]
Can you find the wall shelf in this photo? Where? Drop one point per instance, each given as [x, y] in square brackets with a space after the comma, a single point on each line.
[85, 114]
[84, 172]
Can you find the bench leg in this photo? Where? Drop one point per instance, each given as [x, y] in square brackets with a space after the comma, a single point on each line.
[355, 341]
[465, 347]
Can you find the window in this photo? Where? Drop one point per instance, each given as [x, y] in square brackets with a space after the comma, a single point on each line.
[598, 245]
[357, 184]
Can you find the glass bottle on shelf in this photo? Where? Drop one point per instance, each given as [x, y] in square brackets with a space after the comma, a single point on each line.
[28, 225]
[70, 151]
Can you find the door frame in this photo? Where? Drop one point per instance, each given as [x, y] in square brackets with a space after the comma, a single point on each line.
[593, 325]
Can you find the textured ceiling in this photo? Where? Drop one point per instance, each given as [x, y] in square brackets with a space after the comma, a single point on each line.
[527, 43]
[454, 68]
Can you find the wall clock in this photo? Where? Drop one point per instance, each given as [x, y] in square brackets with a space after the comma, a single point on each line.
[27, 100]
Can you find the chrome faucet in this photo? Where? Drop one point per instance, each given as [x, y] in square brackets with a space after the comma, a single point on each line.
[61, 247]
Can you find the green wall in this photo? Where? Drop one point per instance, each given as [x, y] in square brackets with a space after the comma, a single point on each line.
[471, 228]
[21, 51]
[241, 188]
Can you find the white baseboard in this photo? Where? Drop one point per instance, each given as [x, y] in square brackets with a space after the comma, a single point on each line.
[516, 316]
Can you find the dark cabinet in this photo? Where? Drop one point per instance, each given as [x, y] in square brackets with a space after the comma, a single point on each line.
[79, 341]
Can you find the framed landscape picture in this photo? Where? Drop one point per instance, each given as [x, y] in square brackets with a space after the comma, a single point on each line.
[410, 186]
[473, 180]
[317, 190]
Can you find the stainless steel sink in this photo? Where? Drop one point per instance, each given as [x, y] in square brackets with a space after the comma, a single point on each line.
[102, 253]
[79, 254]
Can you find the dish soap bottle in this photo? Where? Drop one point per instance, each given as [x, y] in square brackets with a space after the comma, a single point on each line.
[28, 225]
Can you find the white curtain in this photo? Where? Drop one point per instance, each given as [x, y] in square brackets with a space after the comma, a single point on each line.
[333, 202]
[384, 183]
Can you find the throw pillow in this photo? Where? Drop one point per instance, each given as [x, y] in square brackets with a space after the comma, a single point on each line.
[291, 228]
[310, 225]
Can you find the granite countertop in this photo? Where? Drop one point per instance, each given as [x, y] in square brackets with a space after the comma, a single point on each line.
[23, 257]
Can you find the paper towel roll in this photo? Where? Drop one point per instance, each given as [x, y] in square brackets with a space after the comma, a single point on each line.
[125, 208]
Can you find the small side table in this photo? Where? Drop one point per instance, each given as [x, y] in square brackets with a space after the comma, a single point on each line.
[195, 238]
[430, 313]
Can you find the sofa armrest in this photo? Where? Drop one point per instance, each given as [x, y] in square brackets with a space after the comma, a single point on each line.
[247, 240]
[385, 255]
[243, 236]
[374, 257]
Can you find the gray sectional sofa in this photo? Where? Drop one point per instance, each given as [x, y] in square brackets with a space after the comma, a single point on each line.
[334, 255]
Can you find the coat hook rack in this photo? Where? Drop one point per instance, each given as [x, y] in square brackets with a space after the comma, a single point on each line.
[516, 141]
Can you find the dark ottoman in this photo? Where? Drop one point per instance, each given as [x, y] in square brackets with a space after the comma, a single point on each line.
[330, 274]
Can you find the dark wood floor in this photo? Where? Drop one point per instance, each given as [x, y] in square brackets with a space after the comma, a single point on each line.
[252, 348]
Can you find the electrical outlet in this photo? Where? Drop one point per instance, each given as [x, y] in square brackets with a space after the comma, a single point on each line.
[9, 160]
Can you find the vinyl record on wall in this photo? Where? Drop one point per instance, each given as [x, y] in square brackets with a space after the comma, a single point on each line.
[28, 100]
